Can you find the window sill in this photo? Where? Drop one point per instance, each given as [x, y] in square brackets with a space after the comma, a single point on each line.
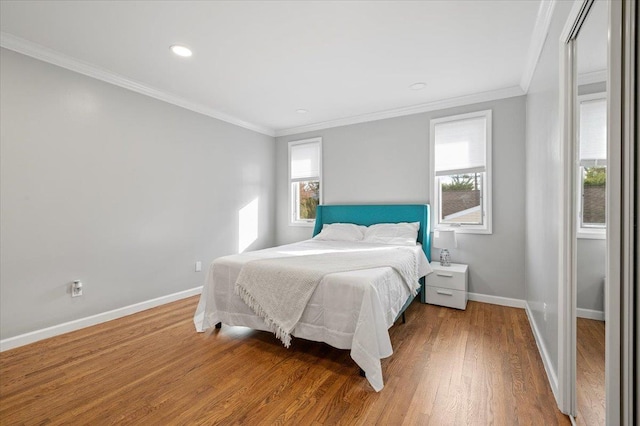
[464, 230]
[599, 234]
[303, 224]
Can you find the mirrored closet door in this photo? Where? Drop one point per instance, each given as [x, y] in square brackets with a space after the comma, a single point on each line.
[590, 205]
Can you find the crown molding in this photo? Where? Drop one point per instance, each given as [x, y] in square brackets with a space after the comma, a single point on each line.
[493, 95]
[592, 77]
[28, 48]
[538, 37]
[34, 50]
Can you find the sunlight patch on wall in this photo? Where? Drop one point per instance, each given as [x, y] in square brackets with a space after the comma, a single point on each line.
[247, 225]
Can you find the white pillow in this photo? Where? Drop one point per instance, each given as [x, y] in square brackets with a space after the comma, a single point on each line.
[341, 232]
[402, 234]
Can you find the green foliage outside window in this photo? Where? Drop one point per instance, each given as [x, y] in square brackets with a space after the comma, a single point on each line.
[595, 176]
[460, 183]
[309, 199]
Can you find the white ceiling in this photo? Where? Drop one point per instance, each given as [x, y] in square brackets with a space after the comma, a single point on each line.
[258, 62]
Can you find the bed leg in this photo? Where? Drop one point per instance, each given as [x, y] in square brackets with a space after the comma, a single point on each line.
[362, 373]
[404, 319]
[219, 325]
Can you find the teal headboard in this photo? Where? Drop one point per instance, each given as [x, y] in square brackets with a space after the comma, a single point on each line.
[368, 214]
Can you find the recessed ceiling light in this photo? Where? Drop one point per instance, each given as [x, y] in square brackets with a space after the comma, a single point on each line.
[181, 50]
[418, 86]
[301, 111]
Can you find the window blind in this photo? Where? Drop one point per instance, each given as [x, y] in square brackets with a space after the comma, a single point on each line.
[460, 146]
[593, 133]
[305, 161]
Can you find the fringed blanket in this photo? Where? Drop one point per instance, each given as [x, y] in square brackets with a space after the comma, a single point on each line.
[279, 289]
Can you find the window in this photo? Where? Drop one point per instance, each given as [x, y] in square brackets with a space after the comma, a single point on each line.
[461, 172]
[305, 180]
[592, 170]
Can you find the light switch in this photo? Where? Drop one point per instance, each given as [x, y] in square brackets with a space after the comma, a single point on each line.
[198, 266]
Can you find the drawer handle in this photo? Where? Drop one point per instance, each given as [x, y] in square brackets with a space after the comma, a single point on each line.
[445, 293]
[442, 274]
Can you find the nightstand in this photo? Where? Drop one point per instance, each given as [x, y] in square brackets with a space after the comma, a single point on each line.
[447, 285]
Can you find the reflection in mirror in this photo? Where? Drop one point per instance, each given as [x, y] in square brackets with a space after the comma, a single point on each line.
[590, 187]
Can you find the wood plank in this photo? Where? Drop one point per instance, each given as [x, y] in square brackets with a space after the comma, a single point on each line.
[590, 376]
[478, 366]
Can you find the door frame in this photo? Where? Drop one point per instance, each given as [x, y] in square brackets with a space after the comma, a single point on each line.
[622, 166]
[621, 194]
[567, 266]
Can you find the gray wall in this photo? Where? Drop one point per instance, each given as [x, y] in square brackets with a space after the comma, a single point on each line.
[114, 188]
[543, 177]
[387, 161]
[591, 272]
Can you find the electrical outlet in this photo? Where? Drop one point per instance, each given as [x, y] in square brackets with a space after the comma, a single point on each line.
[76, 289]
[198, 266]
[544, 311]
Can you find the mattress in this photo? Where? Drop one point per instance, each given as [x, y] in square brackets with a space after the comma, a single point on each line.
[348, 310]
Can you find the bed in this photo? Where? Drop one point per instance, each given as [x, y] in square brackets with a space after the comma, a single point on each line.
[349, 309]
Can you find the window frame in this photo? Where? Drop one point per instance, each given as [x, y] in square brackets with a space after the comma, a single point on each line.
[586, 232]
[293, 221]
[486, 199]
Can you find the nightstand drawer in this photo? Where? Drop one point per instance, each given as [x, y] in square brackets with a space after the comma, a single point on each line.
[446, 297]
[447, 279]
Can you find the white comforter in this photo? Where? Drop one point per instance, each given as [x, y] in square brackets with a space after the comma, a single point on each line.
[348, 310]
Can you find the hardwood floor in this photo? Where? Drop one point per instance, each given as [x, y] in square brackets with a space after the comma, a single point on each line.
[590, 385]
[479, 366]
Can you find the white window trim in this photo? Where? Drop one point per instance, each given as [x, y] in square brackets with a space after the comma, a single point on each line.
[290, 209]
[487, 226]
[586, 233]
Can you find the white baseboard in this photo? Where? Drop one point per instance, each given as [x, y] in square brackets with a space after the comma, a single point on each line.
[45, 333]
[544, 354]
[497, 300]
[590, 314]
